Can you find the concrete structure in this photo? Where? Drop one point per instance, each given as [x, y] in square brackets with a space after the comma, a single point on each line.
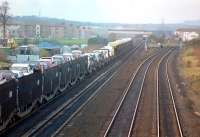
[187, 34]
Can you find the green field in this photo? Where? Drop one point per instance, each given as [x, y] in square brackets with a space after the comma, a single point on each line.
[69, 41]
[55, 41]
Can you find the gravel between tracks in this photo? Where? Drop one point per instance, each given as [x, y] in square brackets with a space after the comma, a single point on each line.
[147, 106]
[168, 124]
[90, 122]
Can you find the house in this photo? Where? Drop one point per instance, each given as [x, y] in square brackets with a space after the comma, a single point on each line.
[187, 34]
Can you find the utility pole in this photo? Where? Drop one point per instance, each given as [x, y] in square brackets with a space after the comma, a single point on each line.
[4, 17]
[180, 43]
[146, 43]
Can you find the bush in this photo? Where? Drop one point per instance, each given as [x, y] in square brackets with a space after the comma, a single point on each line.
[44, 53]
[3, 56]
[97, 40]
[189, 64]
[198, 63]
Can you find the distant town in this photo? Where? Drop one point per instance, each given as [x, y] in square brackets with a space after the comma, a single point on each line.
[33, 27]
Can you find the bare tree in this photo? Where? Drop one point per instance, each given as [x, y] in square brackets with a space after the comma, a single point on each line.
[4, 17]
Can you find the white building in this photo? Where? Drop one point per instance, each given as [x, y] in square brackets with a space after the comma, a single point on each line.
[187, 34]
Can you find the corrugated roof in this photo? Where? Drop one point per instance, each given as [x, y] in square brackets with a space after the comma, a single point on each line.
[47, 45]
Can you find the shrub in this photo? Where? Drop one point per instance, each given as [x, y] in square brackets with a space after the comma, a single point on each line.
[3, 56]
[44, 53]
[189, 63]
[97, 40]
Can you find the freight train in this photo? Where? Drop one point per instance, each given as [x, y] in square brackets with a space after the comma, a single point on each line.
[18, 97]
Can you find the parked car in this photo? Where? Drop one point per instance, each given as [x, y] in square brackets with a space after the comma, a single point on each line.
[91, 61]
[68, 57]
[6, 75]
[58, 59]
[66, 49]
[75, 47]
[26, 69]
[18, 74]
[44, 65]
[48, 61]
[77, 53]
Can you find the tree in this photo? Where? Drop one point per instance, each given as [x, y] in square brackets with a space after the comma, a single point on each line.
[44, 53]
[25, 42]
[2, 56]
[97, 41]
[4, 17]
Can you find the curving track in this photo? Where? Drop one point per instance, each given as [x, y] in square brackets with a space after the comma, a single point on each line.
[147, 107]
[144, 123]
[56, 122]
[140, 111]
[169, 124]
[157, 113]
[91, 119]
[34, 125]
[124, 116]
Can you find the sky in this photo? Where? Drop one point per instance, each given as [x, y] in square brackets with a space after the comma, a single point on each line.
[120, 11]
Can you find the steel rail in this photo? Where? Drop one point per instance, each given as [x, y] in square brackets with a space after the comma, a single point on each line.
[139, 97]
[74, 99]
[173, 101]
[125, 94]
[157, 96]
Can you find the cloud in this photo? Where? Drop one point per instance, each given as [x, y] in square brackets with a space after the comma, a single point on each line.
[23, 7]
[126, 11]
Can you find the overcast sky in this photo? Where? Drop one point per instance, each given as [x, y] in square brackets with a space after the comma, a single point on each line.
[122, 11]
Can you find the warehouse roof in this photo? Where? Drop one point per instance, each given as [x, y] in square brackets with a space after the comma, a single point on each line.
[47, 45]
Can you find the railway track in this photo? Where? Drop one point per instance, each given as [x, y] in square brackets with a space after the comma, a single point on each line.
[154, 113]
[121, 121]
[91, 119]
[169, 124]
[91, 87]
[145, 121]
[60, 118]
[146, 104]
